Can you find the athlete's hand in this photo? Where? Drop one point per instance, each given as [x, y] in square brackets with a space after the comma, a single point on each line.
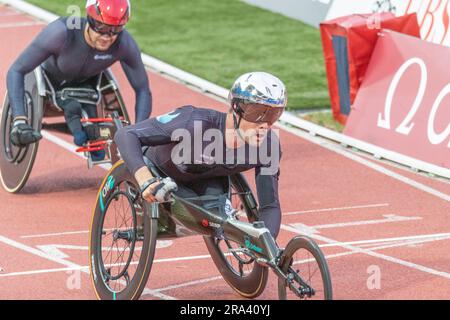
[22, 134]
[164, 188]
[148, 193]
[143, 175]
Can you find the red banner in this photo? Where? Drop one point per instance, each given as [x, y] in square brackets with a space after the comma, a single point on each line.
[403, 104]
[346, 64]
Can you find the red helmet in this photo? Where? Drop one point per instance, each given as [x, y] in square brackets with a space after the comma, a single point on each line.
[110, 12]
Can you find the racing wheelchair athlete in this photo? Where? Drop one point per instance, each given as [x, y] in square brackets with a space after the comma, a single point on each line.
[171, 183]
[65, 70]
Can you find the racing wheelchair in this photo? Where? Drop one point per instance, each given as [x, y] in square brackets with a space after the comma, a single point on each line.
[125, 228]
[41, 106]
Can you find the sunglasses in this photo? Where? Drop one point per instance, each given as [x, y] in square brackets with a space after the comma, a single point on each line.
[104, 29]
[258, 113]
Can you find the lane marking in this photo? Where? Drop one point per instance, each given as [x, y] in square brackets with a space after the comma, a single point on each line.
[67, 263]
[55, 250]
[436, 236]
[54, 234]
[20, 24]
[190, 283]
[327, 257]
[10, 14]
[337, 209]
[188, 258]
[335, 148]
[373, 254]
[388, 218]
[155, 291]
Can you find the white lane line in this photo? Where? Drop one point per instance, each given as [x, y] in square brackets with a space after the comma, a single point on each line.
[284, 214]
[337, 149]
[67, 263]
[373, 254]
[338, 209]
[60, 234]
[188, 258]
[435, 236]
[327, 257]
[41, 271]
[190, 283]
[54, 234]
[20, 24]
[388, 218]
[413, 240]
[10, 14]
[36, 252]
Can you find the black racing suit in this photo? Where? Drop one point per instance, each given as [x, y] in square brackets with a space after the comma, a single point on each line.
[197, 166]
[68, 60]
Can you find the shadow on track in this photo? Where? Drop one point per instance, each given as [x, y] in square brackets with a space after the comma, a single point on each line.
[62, 181]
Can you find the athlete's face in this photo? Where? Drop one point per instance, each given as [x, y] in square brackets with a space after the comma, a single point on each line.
[254, 133]
[101, 42]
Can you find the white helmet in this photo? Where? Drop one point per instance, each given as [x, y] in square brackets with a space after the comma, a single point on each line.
[258, 97]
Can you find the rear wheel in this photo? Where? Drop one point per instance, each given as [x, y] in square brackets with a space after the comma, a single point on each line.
[240, 271]
[122, 239]
[307, 270]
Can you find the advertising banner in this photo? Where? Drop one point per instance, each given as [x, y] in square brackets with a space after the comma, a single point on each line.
[433, 15]
[403, 102]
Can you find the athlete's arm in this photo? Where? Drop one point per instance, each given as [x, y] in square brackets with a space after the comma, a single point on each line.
[48, 42]
[137, 76]
[269, 203]
[267, 188]
[151, 132]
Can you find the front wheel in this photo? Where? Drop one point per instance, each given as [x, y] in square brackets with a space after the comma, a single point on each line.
[122, 239]
[307, 271]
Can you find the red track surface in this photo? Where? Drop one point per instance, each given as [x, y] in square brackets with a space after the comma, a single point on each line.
[61, 192]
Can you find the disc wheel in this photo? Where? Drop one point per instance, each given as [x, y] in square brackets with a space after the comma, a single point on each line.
[240, 271]
[16, 163]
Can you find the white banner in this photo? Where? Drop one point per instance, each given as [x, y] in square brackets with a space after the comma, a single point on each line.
[312, 12]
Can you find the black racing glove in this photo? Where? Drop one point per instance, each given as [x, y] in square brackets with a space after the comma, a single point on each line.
[22, 134]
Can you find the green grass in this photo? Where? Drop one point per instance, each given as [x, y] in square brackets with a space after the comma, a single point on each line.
[324, 119]
[220, 39]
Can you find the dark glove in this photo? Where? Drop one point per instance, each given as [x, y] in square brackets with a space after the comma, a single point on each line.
[22, 134]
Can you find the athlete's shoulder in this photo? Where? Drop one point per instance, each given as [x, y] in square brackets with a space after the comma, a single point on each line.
[54, 36]
[206, 114]
[178, 116]
[127, 42]
[61, 25]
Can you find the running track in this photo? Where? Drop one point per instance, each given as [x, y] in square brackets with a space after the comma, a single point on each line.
[366, 215]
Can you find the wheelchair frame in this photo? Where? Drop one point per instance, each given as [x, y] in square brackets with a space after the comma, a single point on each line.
[41, 99]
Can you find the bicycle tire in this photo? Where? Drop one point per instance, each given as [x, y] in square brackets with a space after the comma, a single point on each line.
[299, 243]
[137, 284]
